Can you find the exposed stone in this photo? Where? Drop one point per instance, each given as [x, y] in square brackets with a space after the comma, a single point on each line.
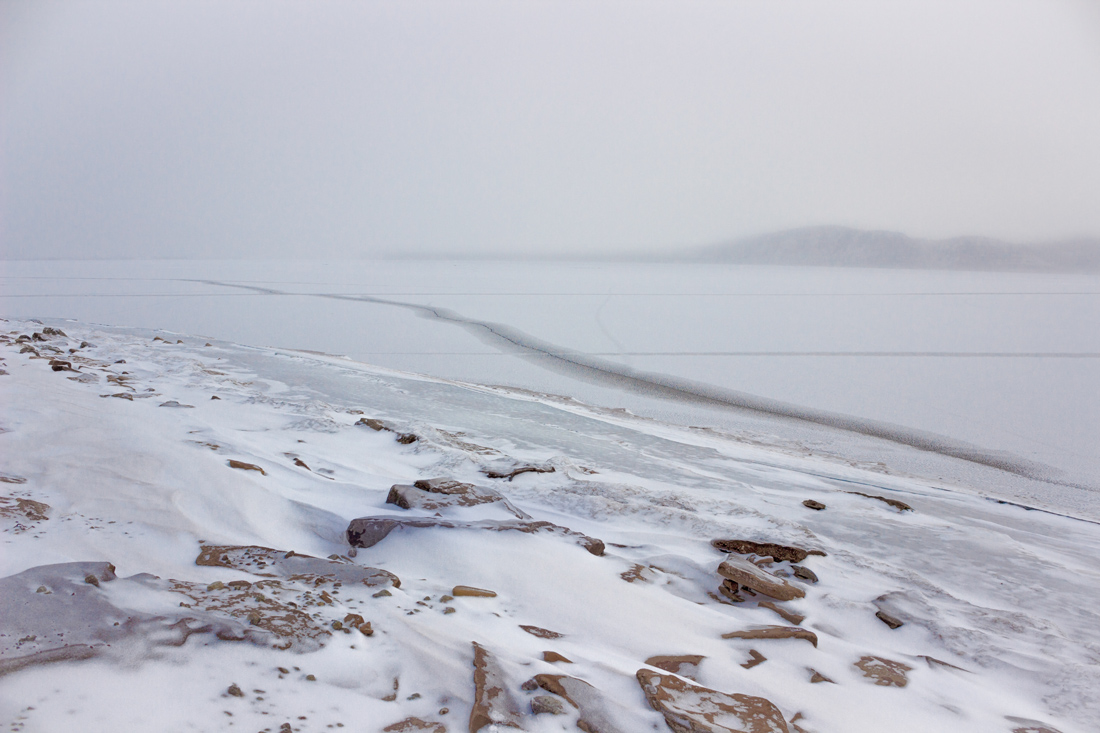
[553, 657]
[884, 672]
[744, 573]
[685, 665]
[816, 677]
[811, 504]
[369, 531]
[729, 589]
[235, 691]
[457, 495]
[889, 620]
[755, 658]
[901, 506]
[787, 614]
[24, 509]
[312, 571]
[540, 632]
[409, 725]
[403, 438]
[774, 632]
[509, 475]
[595, 710]
[174, 403]
[493, 704]
[547, 705]
[1027, 725]
[469, 590]
[804, 573]
[689, 708]
[246, 466]
[766, 549]
[634, 573]
[933, 663]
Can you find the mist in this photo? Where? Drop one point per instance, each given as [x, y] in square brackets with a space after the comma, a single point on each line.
[354, 130]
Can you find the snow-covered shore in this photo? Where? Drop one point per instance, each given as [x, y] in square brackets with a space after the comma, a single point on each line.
[160, 457]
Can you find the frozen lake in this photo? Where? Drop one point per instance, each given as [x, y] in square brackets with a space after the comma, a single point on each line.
[1003, 368]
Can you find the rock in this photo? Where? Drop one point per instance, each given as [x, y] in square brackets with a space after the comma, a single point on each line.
[246, 466]
[901, 506]
[685, 665]
[61, 366]
[403, 438]
[729, 589]
[811, 504]
[889, 620]
[540, 632]
[547, 704]
[778, 553]
[755, 658]
[745, 573]
[553, 657]
[509, 475]
[369, 531]
[173, 403]
[23, 509]
[689, 708]
[884, 672]
[933, 663]
[457, 495]
[634, 573]
[595, 710]
[493, 704]
[408, 725]
[774, 632]
[804, 573]
[787, 614]
[235, 691]
[467, 590]
[312, 571]
[1027, 725]
[816, 677]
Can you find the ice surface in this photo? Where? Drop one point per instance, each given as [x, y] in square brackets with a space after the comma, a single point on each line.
[1006, 595]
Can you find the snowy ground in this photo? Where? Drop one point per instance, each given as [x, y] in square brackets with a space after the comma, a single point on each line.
[127, 458]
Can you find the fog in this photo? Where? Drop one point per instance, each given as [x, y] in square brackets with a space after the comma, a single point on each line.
[275, 129]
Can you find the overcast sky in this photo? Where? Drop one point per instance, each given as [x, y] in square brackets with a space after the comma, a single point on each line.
[247, 129]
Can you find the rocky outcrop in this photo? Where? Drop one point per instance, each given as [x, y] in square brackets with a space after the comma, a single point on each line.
[415, 725]
[743, 572]
[774, 632]
[313, 571]
[779, 553]
[689, 708]
[493, 704]
[685, 665]
[885, 672]
[436, 494]
[594, 709]
[369, 531]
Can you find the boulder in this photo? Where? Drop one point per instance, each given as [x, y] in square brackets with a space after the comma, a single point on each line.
[369, 531]
[689, 708]
[493, 704]
[744, 573]
[811, 504]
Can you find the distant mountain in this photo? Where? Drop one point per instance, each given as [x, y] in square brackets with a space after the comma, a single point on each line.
[836, 246]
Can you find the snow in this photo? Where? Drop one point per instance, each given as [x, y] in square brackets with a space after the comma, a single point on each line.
[1006, 593]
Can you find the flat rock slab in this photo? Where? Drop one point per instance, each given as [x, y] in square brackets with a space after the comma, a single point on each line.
[593, 706]
[774, 632]
[745, 573]
[779, 553]
[689, 708]
[494, 706]
[472, 592]
[414, 497]
[901, 506]
[268, 563]
[369, 531]
[885, 672]
[685, 665]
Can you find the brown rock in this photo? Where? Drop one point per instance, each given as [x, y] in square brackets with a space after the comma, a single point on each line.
[804, 573]
[689, 708]
[235, 691]
[816, 677]
[540, 632]
[593, 707]
[553, 657]
[884, 672]
[766, 549]
[901, 506]
[755, 658]
[315, 571]
[246, 466]
[889, 620]
[811, 504]
[369, 531]
[509, 475]
[1027, 725]
[729, 589]
[745, 573]
[493, 703]
[547, 704]
[685, 665]
[634, 573]
[787, 614]
[933, 663]
[408, 725]
[774, 632]
[468, 590]
[460, 495]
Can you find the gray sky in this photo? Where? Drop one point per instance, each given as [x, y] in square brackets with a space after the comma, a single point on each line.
[247, 129]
